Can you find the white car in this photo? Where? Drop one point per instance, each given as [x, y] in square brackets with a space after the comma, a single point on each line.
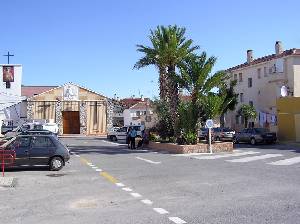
[121, 133]
[53, 127]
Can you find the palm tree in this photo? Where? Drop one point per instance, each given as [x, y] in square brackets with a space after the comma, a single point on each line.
[230, 98]
[196, 78]
[248, 112]
[169, 49]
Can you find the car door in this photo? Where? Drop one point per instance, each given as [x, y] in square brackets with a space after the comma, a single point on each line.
[21, 145]
[40, 150]
[122, 133]
[243, 135]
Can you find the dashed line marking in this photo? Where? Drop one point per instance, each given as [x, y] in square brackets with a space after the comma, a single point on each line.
[254, 158]
[120, 185]
[147, 160]
[126, 189]
[108, 177]
[99, 170]
[94, 167]
[77, 155]
[136, 195]
[177, 220]
[286, 162]
[83, 160]
[161, 211]
[147, 202]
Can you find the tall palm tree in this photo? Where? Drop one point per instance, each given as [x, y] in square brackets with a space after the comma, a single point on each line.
[196, 78]
[169, 48]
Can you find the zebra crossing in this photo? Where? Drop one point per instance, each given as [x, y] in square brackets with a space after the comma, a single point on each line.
[247, 157]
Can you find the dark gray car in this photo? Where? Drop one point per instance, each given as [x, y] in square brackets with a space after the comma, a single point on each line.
[255, 135]
[33, 150]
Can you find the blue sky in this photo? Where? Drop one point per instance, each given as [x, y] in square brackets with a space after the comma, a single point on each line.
[92, 43]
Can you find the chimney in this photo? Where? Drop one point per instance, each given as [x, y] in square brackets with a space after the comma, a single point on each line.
[249, 56]
[278, 47]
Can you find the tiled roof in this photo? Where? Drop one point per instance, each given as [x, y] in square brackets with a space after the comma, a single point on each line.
[129, 102]
[30, 91]
[140, 106]
[293, 51]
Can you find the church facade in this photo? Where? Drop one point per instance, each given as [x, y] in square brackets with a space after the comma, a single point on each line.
[75, 109]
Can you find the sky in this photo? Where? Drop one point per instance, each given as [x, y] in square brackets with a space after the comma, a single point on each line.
[93, 43]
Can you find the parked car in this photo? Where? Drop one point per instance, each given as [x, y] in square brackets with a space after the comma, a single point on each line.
[24, 127]
[33, 150]
[223, 134]
[121, 133]
[53, 127]
[255, 135]
[203, 134]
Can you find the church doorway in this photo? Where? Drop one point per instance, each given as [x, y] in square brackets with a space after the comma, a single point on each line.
[71, 122]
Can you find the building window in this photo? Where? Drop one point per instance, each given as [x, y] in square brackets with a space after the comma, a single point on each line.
[258, 73]
[240, 77]
[249, 82]
[235, 76]
[251, 103]
[138, 113]
[7, 85]
[265, 72]
[241, 97]
[237, 119]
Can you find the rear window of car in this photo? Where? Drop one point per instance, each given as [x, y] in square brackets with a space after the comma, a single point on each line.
[260, 130]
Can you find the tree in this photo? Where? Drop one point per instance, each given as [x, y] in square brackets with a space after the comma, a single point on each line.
[196, 78]
[230, 98]
[169, 49]
[248, 112]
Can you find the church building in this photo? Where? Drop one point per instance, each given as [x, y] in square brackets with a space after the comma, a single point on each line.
[76, 110]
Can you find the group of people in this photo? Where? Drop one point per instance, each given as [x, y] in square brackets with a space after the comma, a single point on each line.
[131, 138]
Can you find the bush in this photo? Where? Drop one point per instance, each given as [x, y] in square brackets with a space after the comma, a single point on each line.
[190, 138]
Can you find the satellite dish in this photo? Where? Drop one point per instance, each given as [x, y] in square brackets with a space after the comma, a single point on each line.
[283, 91]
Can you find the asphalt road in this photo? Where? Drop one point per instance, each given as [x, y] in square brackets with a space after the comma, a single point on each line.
[107, 183]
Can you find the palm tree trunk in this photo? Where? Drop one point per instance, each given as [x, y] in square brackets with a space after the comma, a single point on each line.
[173, 97]
[163, 84]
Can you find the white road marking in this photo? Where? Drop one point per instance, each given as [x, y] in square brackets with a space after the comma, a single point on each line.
[89, 164]
[286, 162]
[147, 160]
[127, 189]
[94, 167]
[136, 195]
[254, 158]
[227, 155]
[77, 155]
[192, 154]
[147, 202]
[99, 170]
[120, 185]
[160, 211]
[112, 143]
[177, 220]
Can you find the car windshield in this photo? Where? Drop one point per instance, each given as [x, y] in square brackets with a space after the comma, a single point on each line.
[260, 130]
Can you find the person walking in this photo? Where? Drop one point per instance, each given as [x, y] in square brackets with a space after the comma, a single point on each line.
[133, 135]
[128, 137]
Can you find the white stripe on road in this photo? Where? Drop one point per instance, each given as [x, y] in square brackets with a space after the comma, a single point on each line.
[94, 167]
[136, 195]
[177, 220]
[160, 211]
[147, 202]
[120, 185]
[89, 164]
[112, 143]
[286, 162]
[99, 170]
[227, 155]
[147, 160]
[254, 158]
[77, 155]
[127, 189]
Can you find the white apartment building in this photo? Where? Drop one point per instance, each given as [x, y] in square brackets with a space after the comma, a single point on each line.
[259, 82]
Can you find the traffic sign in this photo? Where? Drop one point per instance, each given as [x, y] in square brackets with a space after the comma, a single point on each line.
[209, 123]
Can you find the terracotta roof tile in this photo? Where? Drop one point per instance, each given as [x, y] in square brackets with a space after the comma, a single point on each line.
[293, 51]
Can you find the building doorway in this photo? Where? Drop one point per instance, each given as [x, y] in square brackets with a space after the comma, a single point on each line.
[71, 122]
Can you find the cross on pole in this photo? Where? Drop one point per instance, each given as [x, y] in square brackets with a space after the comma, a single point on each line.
[8, 55]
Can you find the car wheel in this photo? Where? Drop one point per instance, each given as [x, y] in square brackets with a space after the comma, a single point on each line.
[218, 138]
[56, 163]
[114, 138]
[253, 141]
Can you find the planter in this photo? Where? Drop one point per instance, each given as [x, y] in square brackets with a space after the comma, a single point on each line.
[199, 148]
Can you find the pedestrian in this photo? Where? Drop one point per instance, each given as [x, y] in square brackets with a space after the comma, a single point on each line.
[128, 137]
[133, 134]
